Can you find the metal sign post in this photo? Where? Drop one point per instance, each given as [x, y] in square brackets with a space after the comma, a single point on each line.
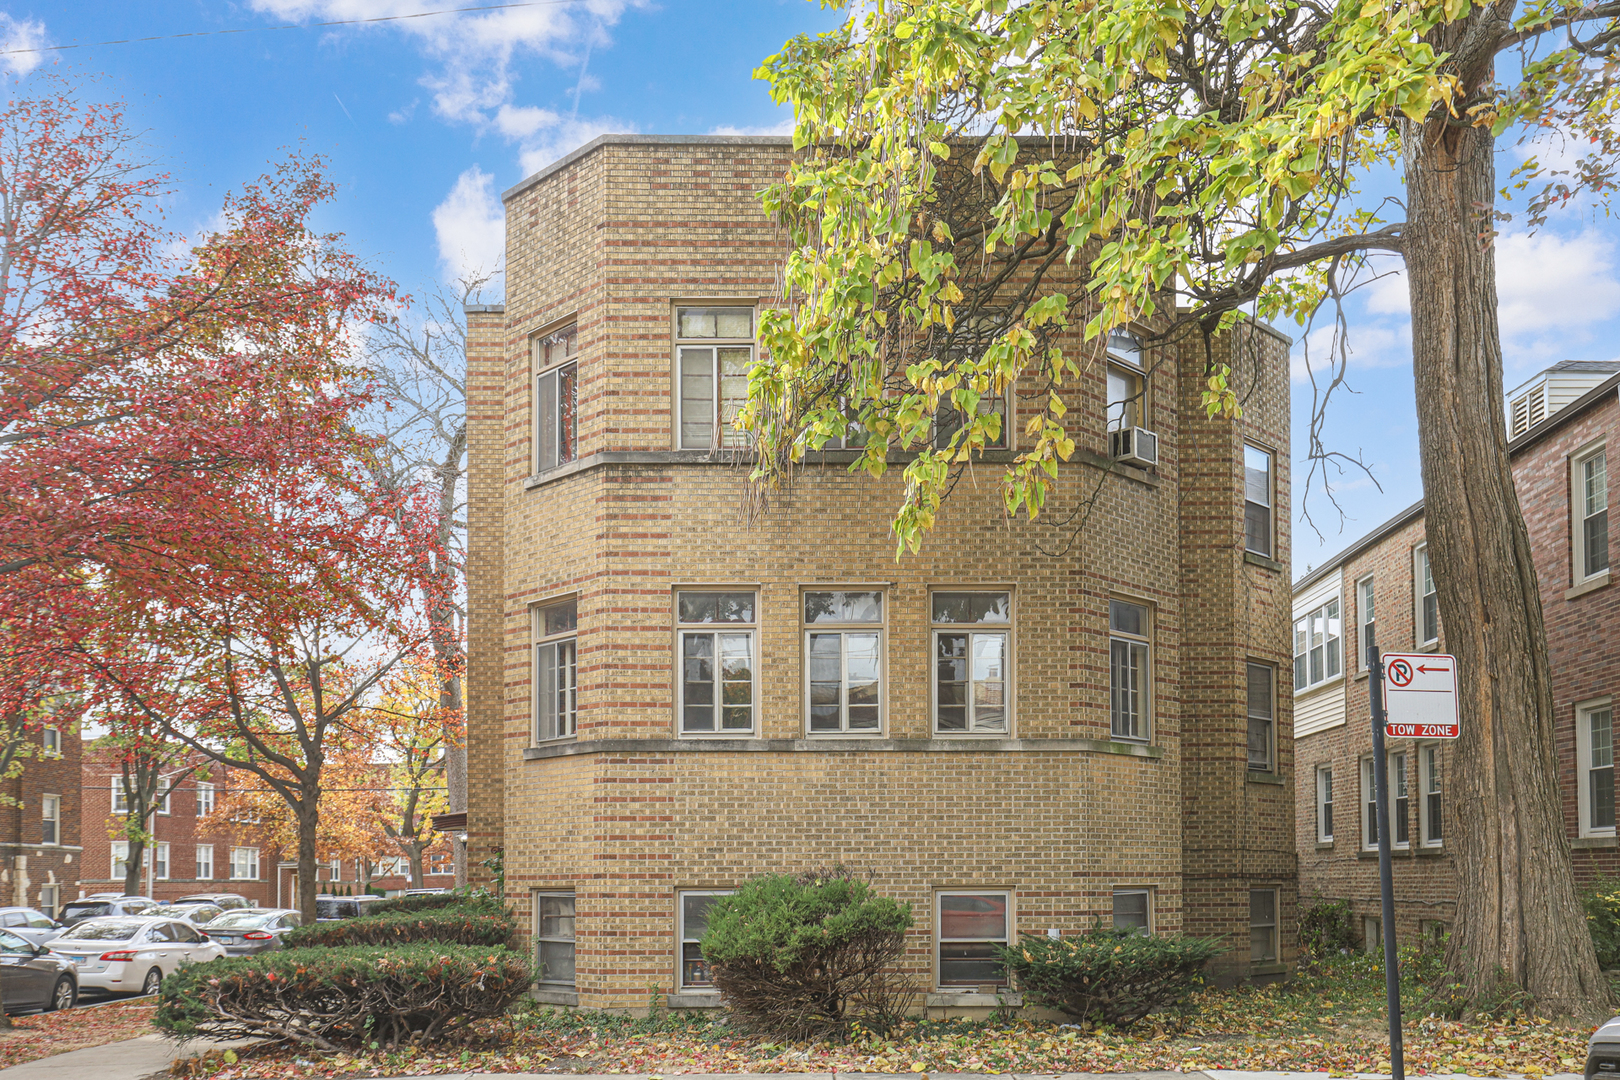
[1386, 881]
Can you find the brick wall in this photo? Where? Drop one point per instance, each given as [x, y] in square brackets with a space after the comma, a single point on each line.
[31, 871]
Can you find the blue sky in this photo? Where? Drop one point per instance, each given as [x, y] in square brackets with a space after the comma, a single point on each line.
[426, 120]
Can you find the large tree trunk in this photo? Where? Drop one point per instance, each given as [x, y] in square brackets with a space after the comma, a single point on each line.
[1519, 923]
[308, 819]
[134, 867]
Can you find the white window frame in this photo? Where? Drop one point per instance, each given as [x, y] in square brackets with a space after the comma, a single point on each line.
[50, 900]
[1423, 575]
[1585, 765]
[1327, 614]
[1136, 645]
[748, 631]
[1252, 496]
[251, 860]
[1008, 928]
[972, 631]
[1274, 926]
[721, 434]
[546, 386]
[50, 741]
[1400, 790]
[1147, 906]
[205, 862]
[1583, 506]
[1366, 619]
[845, 630]
[1324, 804]
[119, 852]
[50, 814]
[160, 860]
[1369, 805]
[164, 807]
[120, 797]
[1431, 788]
[539, 939]
[1269, 719]
[1125, 362]
[205, 798]
[681, 941]
[568, 697]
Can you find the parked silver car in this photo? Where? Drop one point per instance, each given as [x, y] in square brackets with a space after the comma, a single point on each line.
[229, 901]
[198, 915]
[132, 955]
[253, 930]
[99, 905]
[31, 925]
[342, 907]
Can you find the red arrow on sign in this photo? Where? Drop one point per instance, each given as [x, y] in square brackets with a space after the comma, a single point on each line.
[1426, 670]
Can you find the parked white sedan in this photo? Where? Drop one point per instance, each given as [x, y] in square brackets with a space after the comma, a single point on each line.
[128, 955]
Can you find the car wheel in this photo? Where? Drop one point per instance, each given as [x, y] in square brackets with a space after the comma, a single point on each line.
[154, 980]
[64, 996]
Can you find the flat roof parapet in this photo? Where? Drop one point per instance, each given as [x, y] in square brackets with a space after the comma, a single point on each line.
[643, 140]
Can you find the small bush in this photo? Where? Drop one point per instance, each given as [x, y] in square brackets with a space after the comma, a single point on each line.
[1326, 929]
[433, 901]
[804, 957]
[1109, 976]
[1602, 903]
[481, 925]
[334, 998]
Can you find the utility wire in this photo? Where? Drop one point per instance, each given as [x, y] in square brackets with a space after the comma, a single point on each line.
[294, 26]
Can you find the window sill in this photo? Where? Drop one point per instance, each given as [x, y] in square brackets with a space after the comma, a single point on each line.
[1431, 850]
[1264, 778]
[555, 997]
[1268, 967]
[1591, 584]
[1430, 646]
[694, 999]
[830, 744]
[1589, 842]
[1395, 853]
[1324, 845]
[1260, 560]
[945, 999]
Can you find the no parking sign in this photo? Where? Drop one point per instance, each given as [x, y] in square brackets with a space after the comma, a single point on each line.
[1420, 696]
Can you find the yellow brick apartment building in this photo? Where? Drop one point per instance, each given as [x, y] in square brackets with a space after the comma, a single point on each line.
[1021, 729]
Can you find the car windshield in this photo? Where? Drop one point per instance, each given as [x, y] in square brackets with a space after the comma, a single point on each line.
[174, 911]
[84, 911]
[240, 920]
[104, 930]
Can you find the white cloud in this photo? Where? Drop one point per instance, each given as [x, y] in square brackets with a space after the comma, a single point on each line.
[551, 142]
[1547, 281]
[1377, 345]
[781, 127]
[20, 40]
[471, 227]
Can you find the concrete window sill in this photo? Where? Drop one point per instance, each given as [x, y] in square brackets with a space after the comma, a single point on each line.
[1260, 560]
[1265, 778]
[948, 999]
[555, 997]
[1594, 842]
[693, 1000]
[1324, 845]
[1591, 584]
[876, 745]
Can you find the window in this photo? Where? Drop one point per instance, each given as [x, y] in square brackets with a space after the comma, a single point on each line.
[1261, 716]
[693, 912]
[51, 740]
[714, 348]
[205, 799]
[554, 939]
[1428, 610]
[1126, 400]
[50, 813]
[843, 641]
[49, 900]
[205, 862]
[1369, 804]
[1429, 784]
[1324, 804]
[717, 639]
[556, 698]
[1129, 673]
[1317, 645]
[244, 864]
[334, 870]
[440, 862]
[971, 649]
[556, 398]
[948, 421]
[160, 862]
[1132, 910]
[1590, 515]
[971, 927]
[163, 806]
[1365, 621]
[1400, 800]
[1262, 925]
[120, 797]
[1257, 495]
[120, 859]
[1594, 759]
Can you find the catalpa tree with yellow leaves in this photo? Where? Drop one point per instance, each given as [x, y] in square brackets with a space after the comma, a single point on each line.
[980, 182]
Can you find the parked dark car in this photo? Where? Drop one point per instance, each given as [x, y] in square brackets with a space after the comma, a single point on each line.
[33, 977]
[227, 901]
[342, 907]
[252, 930]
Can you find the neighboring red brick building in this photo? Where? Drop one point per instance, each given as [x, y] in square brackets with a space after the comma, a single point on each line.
[1381, 590]
[40, 852]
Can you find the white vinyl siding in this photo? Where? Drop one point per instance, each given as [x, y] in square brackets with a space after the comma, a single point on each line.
[1319, 710]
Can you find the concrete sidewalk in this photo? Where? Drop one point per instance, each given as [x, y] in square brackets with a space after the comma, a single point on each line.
[132, 1059]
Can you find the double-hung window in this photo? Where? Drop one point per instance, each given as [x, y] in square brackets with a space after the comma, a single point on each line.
[1594, 760]
[556, 398]
[51, 742]
[1324, 804]
[244, 864]
[205, 799]
[718, 640]
[1126, 399]
[205, 862]
[692, 909]
[1262, 718]
[1590, 517]
[120, 859]
[50, 813]
[1133, 910]
[971, 650]
[948, 420]
[1262, 925]
[160, 861]
[1400, 797]
[554, 939]
[1318, 646]
[120, 797]
[1130, 673]
[714, 348]
[556, 653]
[1258, 492]
[1428, 605]
[1369, 805]
[1366, 622]
[972, 926]
[843, 643]
[1429, 786]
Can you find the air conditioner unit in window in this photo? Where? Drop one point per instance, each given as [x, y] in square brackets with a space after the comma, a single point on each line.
[1134, 446]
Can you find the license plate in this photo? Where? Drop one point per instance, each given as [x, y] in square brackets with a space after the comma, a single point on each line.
[81, 960]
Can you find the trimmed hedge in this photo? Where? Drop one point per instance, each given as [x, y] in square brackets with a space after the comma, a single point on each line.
[481, 925]
[1109, 976]
[336, 998]
[434, 901]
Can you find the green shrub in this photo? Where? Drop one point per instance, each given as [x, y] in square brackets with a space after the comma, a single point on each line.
[479, 925]
[1109, 976]
[335, 998]
[1602, 903]
[431, 901]
[806, 956]
[1326, 929]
